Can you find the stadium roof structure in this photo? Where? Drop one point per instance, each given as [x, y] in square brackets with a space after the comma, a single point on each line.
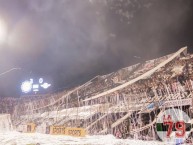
[182, 50]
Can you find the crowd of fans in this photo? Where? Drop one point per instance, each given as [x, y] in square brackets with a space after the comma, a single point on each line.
[93, 87]
[7, 105]
[164, 82]
[176, 77]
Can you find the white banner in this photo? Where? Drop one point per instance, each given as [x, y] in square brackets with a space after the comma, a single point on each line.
[178, 102]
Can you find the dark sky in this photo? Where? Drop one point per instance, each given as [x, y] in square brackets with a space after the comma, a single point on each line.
[72, 41]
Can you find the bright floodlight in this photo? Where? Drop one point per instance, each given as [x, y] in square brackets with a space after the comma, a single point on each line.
[26, 87]
[3, 31]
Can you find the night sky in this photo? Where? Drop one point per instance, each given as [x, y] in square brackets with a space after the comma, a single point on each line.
[71, 41]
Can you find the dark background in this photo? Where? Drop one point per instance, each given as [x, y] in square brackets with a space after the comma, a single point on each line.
[72, 41]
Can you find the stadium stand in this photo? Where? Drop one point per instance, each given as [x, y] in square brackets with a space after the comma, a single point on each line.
[125, 103]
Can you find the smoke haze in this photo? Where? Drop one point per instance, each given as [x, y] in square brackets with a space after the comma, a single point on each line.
[75, 40]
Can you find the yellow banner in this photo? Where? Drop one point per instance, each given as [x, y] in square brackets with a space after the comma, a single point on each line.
[77, 132]
[31, 128]
[57, 130]
[61, 130]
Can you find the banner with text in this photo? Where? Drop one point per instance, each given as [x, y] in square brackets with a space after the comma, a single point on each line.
[62, 130]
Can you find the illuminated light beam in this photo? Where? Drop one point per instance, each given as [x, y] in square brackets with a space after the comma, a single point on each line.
[10, 70]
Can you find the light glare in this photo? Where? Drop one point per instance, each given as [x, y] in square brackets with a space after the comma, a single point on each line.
[3, 31]
[26, 87]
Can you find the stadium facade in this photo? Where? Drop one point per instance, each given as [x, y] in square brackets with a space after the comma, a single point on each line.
[125, 103]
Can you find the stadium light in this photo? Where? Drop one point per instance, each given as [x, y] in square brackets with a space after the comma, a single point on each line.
[34, 86]
[3, 31]
[26, 87]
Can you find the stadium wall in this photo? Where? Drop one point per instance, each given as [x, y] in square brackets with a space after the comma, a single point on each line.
[5, 123]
